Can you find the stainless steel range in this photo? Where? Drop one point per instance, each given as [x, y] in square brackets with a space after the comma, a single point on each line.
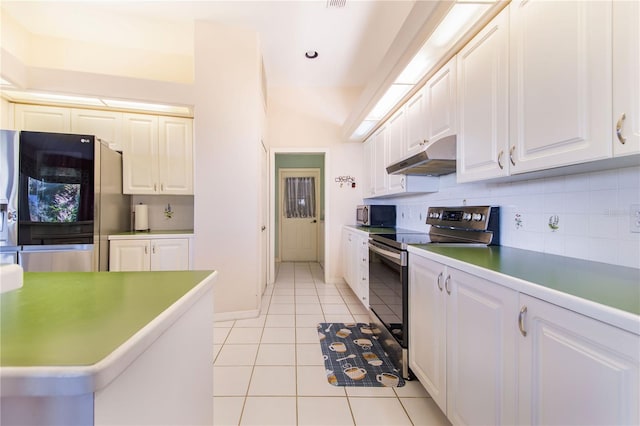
[388, 268]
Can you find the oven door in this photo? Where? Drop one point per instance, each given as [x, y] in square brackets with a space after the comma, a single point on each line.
[388, 287]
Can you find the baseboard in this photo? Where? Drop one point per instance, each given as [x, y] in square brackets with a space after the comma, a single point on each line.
[236, 315]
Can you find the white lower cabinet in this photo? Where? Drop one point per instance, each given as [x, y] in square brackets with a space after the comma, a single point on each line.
[490, 355]
[575, 369]
[166, 254]
[356, 263]
[461, 345]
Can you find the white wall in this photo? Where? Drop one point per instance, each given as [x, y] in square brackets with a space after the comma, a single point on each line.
[227, 163]
[312, 118]
[593, 211]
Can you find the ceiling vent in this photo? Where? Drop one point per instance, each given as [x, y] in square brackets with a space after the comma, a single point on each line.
[336, 4]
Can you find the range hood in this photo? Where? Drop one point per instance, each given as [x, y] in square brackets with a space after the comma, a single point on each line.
[436, 159]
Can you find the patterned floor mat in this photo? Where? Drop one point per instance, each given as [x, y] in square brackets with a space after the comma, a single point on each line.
[354, 357]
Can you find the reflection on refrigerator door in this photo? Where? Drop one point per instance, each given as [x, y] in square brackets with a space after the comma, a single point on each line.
[78, 258]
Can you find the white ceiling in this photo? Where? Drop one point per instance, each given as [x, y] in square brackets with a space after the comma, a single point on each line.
[351, 40]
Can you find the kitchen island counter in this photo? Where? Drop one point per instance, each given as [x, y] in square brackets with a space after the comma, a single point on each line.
[102, 338]
[607, 292]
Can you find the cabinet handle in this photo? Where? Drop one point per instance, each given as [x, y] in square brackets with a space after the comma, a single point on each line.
[402, 183]
[511, 151]
[440, 281]
[153, 249]
[162, 187]
[619, 124]
[155, 187]
[146, 250]
[424, 142]
[523, 312]
[500, 159]
[446, 284]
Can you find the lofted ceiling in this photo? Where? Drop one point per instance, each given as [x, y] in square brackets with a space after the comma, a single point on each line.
[351, 40]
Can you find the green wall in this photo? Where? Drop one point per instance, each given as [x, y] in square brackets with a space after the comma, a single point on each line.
[297, 161]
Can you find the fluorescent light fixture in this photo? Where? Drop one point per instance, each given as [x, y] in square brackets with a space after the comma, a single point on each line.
[390, 98]
[61, 99]
[52, 98]
[144, 106]
[364, 128]
[456, 22]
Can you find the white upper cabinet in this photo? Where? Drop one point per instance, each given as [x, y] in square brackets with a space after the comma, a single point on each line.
[158, 155]
[105, 125]
[483, 103]
[441, 102]
[40, 118]
[560, 83]
[380, 162]
[626, 77]
[396, 142]
[416, 127]
[368, 169]
[140, 155]
[175, 155]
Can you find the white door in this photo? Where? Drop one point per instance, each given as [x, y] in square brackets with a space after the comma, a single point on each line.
[264, 206]
[427, 329]
[575, 370]
[175, 155]
[40, 118]
[170, 255]
[483, 103]
[560, 83]
[299, 190]
[129, 255]
[140, 155]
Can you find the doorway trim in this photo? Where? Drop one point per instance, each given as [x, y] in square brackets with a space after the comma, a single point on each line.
[272, 198]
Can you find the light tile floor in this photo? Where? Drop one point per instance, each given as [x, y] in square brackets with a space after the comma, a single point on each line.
[269, 370]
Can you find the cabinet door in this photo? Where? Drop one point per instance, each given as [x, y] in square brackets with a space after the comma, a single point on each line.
[140, 155]
[106, 125]
[560, 83]
[362, 259]
[441, 92]
[626, 80]
[395, 147]
[170, 254]
[347, 257]
[483, 103]
[175, 155]
[416, 112]
[481, 351]
[427, 327]
[368, 169]
[129, 255]
[576, 370]
[381, 178]
[40, 118]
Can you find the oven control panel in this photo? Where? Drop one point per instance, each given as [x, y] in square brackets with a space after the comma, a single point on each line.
[477, 218]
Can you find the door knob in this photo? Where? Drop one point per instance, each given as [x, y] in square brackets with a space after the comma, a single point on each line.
[314, 221]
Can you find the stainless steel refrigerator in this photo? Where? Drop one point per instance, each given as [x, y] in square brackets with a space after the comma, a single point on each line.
[63, 197]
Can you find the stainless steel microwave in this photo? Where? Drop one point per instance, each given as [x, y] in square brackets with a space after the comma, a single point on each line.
[374, 215]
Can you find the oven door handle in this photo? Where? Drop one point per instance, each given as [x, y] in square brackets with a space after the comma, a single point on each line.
[397, 257]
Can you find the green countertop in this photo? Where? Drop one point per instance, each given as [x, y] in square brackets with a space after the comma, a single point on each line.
[78, 318]
[610, 285]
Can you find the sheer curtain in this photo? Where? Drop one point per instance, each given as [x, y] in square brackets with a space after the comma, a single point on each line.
[300, 197]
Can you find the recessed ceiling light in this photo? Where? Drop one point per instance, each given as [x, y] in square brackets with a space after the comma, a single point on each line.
[311, 54]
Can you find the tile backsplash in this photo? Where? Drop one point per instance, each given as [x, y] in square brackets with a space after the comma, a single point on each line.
[179, 217]
[587, 216]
